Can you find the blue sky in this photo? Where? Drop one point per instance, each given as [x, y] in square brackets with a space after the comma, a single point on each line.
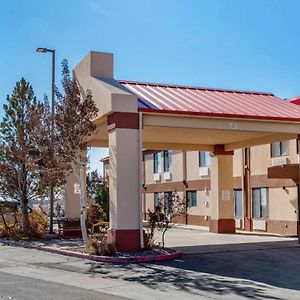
[252, 45]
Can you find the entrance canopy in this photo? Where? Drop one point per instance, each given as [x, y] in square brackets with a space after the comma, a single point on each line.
[186, 118]
[135, 116]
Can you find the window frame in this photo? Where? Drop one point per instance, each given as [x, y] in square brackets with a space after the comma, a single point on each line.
[156, 162]
[235, 206]
[281, 153]
[156, 201]
[207, 159]
[190, 199]
[167, 160]
[168, 205]
[263, 215]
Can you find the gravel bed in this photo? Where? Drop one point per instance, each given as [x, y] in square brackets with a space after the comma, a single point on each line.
[151, 252]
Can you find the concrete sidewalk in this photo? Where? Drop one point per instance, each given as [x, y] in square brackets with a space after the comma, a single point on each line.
[196, 240]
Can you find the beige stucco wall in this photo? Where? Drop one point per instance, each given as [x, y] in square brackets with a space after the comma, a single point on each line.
[201, 209]
[192, 162]
[149, 169]
[293, 154]
[123, 184]
[177, 166]
[221, 180]
[283, 204]
[150, 200]
[261, 157]
[95, 73]
[72, 200]
[238, 163]
[176, 169]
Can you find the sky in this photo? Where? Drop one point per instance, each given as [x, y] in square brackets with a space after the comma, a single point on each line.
[235, 44]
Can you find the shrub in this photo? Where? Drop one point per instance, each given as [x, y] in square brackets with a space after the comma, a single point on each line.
[38, 225]
[102, 247]
[168, 207]
[93, 247]
[95, 214]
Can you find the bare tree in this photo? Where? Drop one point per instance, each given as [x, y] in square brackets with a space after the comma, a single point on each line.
[75, 113]
[169, 206]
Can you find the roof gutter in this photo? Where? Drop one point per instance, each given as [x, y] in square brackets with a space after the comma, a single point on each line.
[218, 115]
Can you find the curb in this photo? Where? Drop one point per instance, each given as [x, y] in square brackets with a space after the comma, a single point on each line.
[97, 258]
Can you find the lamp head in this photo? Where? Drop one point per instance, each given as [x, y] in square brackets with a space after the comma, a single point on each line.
[42, 50]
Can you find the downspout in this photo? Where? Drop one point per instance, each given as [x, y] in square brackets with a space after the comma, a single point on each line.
[243, 177]
[144, 188]
[247, 219]
[184, 175]
[298, 214]
[140, 140]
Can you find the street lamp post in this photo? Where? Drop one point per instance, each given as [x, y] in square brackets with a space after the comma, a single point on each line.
[45, 50]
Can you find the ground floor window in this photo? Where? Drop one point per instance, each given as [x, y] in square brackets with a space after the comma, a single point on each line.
[157, 199]
[192, 198]
[168, 202]
[238, 204]
[260, 209]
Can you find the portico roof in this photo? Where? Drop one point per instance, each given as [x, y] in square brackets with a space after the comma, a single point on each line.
[182, 117]
[178, 99]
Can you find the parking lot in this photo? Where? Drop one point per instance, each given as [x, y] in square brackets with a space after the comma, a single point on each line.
[239, 266]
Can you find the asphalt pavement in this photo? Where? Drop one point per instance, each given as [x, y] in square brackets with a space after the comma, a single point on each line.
[256, 268]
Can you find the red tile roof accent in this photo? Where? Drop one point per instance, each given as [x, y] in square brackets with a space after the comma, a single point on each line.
[295, 100]
[177, 99]
[106, 158]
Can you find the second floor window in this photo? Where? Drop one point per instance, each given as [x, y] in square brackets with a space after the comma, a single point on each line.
[280, 148]
[167, 160]
[156, 162]
[204, 159]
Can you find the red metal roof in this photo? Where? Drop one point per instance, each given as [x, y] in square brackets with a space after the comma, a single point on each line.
[295, 100]
[104, 159]
[176, 99]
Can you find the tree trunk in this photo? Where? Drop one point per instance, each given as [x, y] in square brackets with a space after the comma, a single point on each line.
[80, 172]
[83, 204]
[24, 216]
[24, 200]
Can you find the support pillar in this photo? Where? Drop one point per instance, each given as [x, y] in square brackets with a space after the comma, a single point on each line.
[222, 206]
[72, 194]
[124, 194]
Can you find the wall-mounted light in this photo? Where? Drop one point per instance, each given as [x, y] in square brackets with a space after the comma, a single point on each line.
[285, 189]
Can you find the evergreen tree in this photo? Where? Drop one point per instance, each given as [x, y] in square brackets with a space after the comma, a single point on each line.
[19, 177]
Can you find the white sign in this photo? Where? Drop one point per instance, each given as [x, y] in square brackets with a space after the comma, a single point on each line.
[226, 195]
[233, 125]
[76, 188]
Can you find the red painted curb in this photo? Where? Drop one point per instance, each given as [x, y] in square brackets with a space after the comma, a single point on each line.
[98, 258]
